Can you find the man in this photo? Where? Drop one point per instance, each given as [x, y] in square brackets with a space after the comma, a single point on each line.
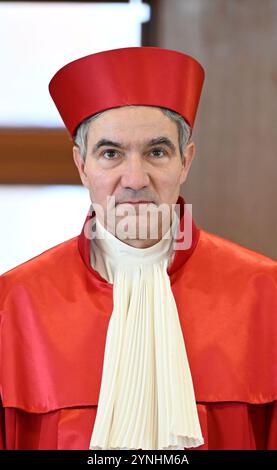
[144, 332]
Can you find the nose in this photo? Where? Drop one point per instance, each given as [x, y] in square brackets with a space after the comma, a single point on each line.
[134, 174]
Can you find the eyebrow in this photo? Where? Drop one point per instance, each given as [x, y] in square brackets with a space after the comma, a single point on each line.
[106, 143]
[155, 141]
[162, 141]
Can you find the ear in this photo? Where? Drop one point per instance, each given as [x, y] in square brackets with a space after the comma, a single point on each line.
[80, 164]
[187, 161]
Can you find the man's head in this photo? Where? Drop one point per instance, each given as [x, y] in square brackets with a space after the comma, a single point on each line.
[134, 153]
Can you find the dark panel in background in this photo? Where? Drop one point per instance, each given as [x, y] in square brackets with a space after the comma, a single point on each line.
[36, 156]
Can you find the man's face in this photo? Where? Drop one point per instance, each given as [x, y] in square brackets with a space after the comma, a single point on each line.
[133, 154]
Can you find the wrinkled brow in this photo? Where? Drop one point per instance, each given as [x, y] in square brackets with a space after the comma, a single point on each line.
[162, 141]
[150, 143]
[106, 143]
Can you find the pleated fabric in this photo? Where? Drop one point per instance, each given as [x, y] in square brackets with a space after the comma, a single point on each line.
[146, 398]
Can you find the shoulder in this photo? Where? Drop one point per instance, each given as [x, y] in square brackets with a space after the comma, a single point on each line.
[220, 263]
[45, 265]
[216, 248]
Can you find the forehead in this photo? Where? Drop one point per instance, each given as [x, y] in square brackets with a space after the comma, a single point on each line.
[133, 122]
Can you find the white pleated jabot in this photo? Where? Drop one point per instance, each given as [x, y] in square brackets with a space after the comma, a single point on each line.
[146, 398]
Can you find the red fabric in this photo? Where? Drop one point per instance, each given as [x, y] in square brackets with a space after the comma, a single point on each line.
[148, 76]
[224, 426]
[54, 313]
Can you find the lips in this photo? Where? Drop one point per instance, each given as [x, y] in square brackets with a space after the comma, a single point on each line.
[136, 202]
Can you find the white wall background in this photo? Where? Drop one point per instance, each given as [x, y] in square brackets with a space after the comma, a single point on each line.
[34, 218]
[37, 39]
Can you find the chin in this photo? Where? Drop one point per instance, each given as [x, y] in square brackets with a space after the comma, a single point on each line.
[137, 228]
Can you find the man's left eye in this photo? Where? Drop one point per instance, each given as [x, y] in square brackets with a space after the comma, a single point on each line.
[158, 153]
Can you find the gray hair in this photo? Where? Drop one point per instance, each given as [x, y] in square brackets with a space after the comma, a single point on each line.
[184, 131]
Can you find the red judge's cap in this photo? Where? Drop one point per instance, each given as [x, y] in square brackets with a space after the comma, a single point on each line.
[148, 76]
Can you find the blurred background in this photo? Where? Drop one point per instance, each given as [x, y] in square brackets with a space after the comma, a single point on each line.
[232, 185]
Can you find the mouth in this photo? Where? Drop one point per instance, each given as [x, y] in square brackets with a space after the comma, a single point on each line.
[136, 202]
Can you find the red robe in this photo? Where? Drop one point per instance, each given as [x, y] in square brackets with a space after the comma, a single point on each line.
[54, 314]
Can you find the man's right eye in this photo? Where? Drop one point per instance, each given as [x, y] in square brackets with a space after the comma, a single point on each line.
[109, 154]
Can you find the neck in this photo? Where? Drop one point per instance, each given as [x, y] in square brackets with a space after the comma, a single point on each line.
[137, 243]
[183, 253]
[151, 238]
